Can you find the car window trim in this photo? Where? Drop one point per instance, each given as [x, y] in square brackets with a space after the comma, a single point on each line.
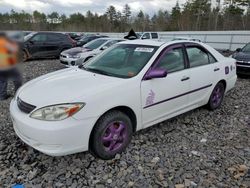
[190, 44]
[163, 52]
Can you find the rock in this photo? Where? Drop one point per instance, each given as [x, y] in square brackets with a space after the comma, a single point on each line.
[243, 169]
[109, 181]
[131, 184]
[155, 160]
[193, 184]
[187, 182]
[179, 186]
[118, 156]
[203, 140]
[196, 153]
[32, 174]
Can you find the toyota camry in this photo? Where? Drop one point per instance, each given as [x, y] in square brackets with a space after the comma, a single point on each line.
[130, 86]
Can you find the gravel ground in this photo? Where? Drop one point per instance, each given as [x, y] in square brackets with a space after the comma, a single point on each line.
[198, 149]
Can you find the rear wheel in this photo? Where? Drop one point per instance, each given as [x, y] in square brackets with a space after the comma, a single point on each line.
[217, 96]
[111, 135]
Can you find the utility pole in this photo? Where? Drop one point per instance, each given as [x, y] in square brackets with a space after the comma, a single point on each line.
[218, 7]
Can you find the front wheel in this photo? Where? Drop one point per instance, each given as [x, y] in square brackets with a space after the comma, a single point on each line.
[216, 97]
[111, 135]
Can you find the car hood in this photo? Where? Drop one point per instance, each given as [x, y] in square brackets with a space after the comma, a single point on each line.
[75, 51]
[65, 86]
[242, 56]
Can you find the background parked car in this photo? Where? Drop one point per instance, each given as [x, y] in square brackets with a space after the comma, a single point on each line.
[242, 56]
[87, 39]
[76, 56]
[45, 45]
[148, 36]
[186, 38]
[132, 35]
[74, 36]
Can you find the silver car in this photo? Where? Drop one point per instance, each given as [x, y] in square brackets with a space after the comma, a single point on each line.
[77, 56]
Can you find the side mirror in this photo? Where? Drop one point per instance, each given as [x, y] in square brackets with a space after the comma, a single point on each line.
[155, 73]
[104, 48]
[238, 50]
[31, 42]
[144, 37]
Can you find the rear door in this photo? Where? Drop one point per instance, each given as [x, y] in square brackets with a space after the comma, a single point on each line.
[53, 44]
[204, 73]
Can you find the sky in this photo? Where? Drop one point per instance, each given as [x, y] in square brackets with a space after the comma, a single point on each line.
[99, 6]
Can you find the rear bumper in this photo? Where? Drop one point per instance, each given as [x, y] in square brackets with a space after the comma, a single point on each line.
[231, 83]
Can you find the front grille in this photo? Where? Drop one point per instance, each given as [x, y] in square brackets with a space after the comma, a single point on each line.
[64, 62]
[243, 63]
[25, 107]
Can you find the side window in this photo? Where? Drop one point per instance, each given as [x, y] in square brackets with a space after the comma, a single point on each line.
[154, 35]
[197, 57]
[211, 58]
[54, 37]
[172, 61]
[146, 36]
[39, 38]
[111, 43]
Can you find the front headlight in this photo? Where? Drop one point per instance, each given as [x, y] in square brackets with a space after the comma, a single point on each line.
[57, 112]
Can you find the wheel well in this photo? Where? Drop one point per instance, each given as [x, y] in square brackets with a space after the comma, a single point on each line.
[124, 109]
[129, 112]
[224, 83]
[87, 58]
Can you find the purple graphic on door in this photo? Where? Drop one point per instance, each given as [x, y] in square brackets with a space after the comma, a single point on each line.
[150, 98]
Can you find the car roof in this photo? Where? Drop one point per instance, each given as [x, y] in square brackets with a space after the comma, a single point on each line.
[158, 43]
[144, 42]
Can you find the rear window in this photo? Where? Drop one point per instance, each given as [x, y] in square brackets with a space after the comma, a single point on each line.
[154, 35]
[55, 37]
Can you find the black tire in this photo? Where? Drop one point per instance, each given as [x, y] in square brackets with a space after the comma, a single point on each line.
[102, 139]
[216, 96]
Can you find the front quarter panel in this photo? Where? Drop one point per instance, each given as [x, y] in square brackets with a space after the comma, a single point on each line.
[125, 93]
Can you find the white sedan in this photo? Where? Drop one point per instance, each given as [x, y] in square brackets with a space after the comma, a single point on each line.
[131, 86]
[78, 55]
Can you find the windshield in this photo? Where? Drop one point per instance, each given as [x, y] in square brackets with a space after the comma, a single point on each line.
[138, 35]
[85, 39]
[27, 37]
[121, 60]
[95, 44]
[246, 48]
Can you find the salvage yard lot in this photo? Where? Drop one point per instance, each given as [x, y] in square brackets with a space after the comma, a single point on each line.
[201, 148]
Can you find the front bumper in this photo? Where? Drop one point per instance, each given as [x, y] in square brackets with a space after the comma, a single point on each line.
[243, 69]
[52, 138]
[70, 61]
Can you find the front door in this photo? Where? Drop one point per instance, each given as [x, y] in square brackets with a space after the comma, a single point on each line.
[36, 45]
[164, 97]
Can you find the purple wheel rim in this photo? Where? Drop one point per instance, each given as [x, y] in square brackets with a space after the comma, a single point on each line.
[217, 96]
[115, 136]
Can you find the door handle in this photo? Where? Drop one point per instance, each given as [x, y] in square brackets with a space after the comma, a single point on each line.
[216, 69]
[185, 78]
